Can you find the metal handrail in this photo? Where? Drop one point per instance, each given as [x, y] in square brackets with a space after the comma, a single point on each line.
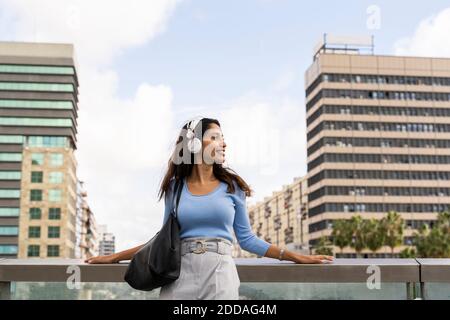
[408, 271]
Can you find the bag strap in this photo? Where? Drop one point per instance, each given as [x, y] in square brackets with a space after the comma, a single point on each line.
[178, 187]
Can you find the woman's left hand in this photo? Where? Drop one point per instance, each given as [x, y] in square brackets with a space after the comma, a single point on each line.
[315, 259]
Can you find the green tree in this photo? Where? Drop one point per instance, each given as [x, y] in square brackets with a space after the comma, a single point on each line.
[375, 234]
[323, 246]
[408, 253]
[434, 242]
[358, 234]
[342, 233]
[393, 226]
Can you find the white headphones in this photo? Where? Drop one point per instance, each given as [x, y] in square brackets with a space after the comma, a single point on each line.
[194, 144]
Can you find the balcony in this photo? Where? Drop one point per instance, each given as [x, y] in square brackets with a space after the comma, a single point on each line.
[277, 222]
[261, 278]
[251, 215]
[287, 199]
[288, 235]
[267, 212]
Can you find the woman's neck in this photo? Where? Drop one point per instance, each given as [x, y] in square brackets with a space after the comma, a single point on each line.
[202, 174]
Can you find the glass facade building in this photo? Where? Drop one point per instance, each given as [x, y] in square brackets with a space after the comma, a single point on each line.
[38, 112]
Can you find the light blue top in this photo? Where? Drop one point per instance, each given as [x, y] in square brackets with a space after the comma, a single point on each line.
[215, 214]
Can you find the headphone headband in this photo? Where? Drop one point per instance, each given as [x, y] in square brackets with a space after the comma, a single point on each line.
[194, 144]
[193, 123]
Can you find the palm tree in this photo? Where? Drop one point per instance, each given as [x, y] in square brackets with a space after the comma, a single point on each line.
[342, 233]
[408, 253]
[422, 243]
[323, 246]
[358, 237]
[434, 242]
[375, 234]
[393, 226]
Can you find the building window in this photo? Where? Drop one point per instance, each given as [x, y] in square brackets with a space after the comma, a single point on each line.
[48, 141]
[53, 232]
[36, 176]
[34, 86]
[9, 212]
[54, 195]
[34, 232]
[33, 250]
[10, 68]
[54, 213]
[36, 104]
[35, 213]
[56, 177]
[53, 251]
[10, 175]
[8, 249]
[39, 122]
[10, 138]
[37, 158]
[9, 230]
[10, 157]
[56, 159]
[9, 193]
[35, 195]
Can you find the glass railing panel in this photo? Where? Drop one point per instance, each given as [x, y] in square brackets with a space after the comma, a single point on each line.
[247, 291]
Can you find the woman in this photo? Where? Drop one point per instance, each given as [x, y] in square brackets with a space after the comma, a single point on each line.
[212, 206]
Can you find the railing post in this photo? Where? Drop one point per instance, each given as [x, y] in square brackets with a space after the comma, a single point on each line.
[422, 291]
[409, 291]
[5, 290]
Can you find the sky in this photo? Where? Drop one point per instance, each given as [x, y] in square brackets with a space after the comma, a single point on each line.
[145, 67]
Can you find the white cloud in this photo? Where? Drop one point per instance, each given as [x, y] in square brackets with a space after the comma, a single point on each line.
[133, 131]
[285, 80]
[123, 143]
[101, 29]
[429, 39]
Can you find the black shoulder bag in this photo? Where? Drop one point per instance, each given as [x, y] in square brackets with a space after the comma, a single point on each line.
[158, 262]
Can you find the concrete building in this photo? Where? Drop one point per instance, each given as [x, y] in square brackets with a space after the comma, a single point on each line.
[281, 219]
[107, 241]
[378, 131]
[38, 112]
[87, 233]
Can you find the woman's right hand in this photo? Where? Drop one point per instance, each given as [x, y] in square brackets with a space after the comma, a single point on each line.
[313, 259]
[101, 259]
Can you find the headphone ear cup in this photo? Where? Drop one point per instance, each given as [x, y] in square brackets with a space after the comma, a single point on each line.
[194, 145]
[190, 145]
[189, 134]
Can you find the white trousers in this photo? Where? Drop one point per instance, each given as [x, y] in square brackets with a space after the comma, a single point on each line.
[204, 276]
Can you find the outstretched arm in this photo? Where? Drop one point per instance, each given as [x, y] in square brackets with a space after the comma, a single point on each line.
[250, 242]
[116, 257]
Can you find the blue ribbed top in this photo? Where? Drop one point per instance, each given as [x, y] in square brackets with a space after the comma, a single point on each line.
[215, 214]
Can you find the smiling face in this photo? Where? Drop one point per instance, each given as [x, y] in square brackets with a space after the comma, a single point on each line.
[213, 145]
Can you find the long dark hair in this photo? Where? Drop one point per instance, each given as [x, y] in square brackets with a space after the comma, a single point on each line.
[182, 170]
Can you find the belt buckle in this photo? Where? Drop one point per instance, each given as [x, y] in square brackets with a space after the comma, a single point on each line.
[199, 249]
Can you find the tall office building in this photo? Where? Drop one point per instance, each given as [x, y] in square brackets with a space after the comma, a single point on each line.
[38, 112]
[378, 131]
[281, 219]
[107, 242]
